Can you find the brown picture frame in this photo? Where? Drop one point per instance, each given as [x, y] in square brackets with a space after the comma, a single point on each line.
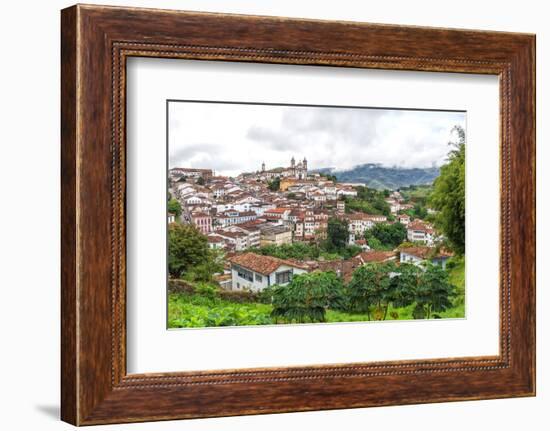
[95, 43]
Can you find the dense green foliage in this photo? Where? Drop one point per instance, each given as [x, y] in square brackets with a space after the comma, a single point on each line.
[434, 292]
[374, 287]
[200, 181]
[306, 251]
[274, 184]
[174, 207]
[388, 235]
[199, 311]
[296, 250]
[337, 235]
[370, 287]
[329, 177]
[448, 195]
[456, 269]
[369, 201]
[376, 292]
[307, 297]
[189, 255]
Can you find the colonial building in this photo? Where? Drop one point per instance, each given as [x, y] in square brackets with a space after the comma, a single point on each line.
[359, 223]
[295, 170]
[232, 217]
[203, 221]
[250, 271]
[177, 173]
[418, 231]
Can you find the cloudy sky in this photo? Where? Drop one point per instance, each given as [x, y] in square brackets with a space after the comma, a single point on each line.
[234, 138]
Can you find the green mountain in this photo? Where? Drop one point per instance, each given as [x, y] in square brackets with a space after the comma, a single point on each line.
[380, 177]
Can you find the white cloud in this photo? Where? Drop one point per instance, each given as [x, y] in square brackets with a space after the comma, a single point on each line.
[234, 138]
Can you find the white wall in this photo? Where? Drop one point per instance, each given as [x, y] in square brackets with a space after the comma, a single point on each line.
[29, 224]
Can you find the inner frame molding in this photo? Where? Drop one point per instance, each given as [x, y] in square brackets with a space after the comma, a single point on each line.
[121, 52]
[96, 42]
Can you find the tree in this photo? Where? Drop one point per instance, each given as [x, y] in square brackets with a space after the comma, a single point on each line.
[337, 234]
[187, 248]
[307, 297]
[434, 292]
[274, 184]
[448, 195]
[329, 177]
[389, 235]
[371, 287]
[296, 250]
[405, 284]
[174, 207]
[200, 181]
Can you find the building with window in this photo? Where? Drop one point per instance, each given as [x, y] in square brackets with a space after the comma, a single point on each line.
[418, 231]
[275, 235]
[203, 221]
[255, 272]
[417, 255]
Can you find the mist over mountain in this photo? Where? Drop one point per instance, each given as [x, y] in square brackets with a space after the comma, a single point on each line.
[379, 177]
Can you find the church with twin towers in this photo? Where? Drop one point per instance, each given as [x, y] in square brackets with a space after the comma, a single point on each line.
[295, 170]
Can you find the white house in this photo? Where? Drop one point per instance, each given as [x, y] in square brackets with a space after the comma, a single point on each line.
[417, 255]
[418, 231]
[250, 271]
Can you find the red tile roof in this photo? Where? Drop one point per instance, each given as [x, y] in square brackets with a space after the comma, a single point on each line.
[262, 264]
[425, 252]
[375, 256]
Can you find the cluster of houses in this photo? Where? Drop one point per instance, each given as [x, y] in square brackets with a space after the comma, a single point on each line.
[254, 272]
[236, 214]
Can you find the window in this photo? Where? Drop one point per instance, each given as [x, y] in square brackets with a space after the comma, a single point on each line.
[258, 278]
[243, 273]
[283, 277]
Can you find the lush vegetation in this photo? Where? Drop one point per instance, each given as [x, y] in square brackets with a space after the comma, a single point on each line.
[307, 297]
[174, 207]
[296, 250]
[329, 177]
[274, 184]
[188, 254]
[448, 196]
[385, 236]
[368, 200]
[376, 292]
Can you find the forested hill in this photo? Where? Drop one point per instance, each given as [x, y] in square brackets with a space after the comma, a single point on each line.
[379, 177]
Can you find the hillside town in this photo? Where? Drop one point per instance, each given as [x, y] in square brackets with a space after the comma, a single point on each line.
[277, 206]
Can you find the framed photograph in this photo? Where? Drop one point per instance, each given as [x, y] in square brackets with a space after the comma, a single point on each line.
[265, 215]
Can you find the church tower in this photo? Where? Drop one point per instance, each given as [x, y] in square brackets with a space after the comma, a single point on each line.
[292, 162]
[305, 164]
[263, 166]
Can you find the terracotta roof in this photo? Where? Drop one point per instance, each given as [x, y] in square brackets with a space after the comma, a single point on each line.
[214, 239]
[375, 256]
[277, 210]
[418, 225]
[262, 264]
[425, 252]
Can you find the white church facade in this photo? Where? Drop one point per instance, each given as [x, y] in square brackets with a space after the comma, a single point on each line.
[295, 170]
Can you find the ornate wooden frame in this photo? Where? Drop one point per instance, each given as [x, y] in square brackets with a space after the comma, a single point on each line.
[95, 43]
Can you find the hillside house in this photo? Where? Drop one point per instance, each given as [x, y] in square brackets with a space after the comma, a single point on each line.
[417, 255]
[418, 231]
[250, 271]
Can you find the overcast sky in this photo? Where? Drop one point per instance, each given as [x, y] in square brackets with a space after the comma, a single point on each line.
[235, 138]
